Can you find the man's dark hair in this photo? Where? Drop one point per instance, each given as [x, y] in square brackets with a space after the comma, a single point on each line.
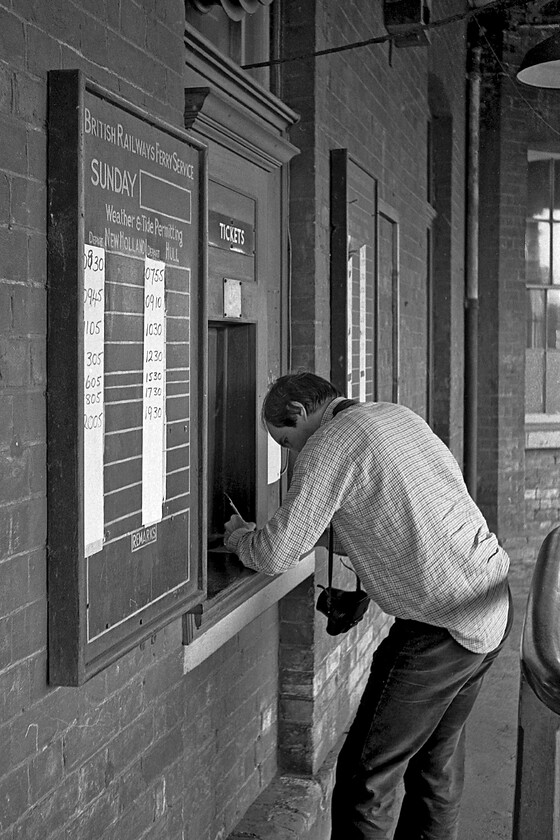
[306, 388]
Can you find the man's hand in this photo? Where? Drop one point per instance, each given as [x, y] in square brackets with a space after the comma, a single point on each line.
[236, 522]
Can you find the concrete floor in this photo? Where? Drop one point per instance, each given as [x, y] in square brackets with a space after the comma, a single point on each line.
[487, 808]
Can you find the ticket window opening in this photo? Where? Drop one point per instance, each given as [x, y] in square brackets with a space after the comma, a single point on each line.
[231, 442]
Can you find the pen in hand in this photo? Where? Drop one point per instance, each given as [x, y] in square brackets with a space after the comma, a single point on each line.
[232, 525]
[233, 507]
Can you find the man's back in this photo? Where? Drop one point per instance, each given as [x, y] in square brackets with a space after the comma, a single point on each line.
[404, 517]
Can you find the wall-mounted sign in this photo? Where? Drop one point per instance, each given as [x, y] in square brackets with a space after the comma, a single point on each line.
[126, 300]
[232, 298]
[230, 234]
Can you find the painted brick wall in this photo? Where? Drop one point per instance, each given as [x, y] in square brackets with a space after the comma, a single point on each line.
[140, 751]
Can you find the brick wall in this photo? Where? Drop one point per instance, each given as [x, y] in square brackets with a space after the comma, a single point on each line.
[375, 103]
[514, 117]
[321, 677]
[542, 492]
[140, 751]
[387, 135]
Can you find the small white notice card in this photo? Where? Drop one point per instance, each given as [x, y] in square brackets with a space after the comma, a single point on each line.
[274, 460]
[94, 415]
[153, 410]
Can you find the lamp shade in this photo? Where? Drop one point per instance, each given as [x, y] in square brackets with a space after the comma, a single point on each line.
[541, 66]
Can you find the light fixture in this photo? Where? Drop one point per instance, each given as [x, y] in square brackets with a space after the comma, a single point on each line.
[541, 66]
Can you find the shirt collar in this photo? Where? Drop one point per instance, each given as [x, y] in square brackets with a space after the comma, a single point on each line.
[328, 412]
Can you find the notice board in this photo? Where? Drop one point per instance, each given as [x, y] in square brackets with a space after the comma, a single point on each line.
[126, 373]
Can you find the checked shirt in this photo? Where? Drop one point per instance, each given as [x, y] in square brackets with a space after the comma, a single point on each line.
[403, 516]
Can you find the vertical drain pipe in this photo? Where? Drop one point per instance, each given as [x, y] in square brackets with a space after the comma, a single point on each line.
[471, 275]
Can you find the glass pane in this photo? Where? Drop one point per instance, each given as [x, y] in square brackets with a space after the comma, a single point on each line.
[385, 313]
[539, 190]
[537, 252]
[556, 198]
[553, 382]
[534, 377]
[556, 254]
[553, 320]
[535, 318]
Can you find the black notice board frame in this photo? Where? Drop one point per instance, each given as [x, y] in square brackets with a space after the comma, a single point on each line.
[345, 201]
[74, 653]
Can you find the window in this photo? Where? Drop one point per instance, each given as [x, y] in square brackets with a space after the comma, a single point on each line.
[353, 213]
[243, 128]
[542, 261]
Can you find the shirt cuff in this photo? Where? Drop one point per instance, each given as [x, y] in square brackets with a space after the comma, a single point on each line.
[232, 540]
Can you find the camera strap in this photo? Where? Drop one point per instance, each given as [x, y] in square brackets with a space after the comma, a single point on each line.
[331, 557]
[331, 551]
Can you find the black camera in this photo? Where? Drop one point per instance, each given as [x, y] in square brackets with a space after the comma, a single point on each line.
[343, 609]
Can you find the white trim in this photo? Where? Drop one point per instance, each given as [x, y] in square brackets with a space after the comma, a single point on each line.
[208, 643]
[542, 439]
[542, 419]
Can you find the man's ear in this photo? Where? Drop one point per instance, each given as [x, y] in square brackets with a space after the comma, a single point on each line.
[297, 409]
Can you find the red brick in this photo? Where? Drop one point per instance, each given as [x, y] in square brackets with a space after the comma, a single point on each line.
[93, 40]
[15, 472]
[30, 101]
[13, 796]
[28, 525]
[43, 51]
[131, 743]
[134, 23]
[12, 39]
[161, 754]
[91, 823]
[5, 198]
[13, 149]
[14, 690]
[46, 771]
[28, 206]
[13, 255]
[139, 817]
[29, 630]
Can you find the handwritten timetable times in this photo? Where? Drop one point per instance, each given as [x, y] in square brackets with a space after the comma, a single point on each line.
[153, 451]
[93, 396]
[153, 411]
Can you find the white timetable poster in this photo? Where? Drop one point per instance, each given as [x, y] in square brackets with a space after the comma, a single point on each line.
[153, 412]
[93, 390]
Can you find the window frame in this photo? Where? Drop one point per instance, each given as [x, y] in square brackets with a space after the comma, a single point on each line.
[543, 427]
[221, 115]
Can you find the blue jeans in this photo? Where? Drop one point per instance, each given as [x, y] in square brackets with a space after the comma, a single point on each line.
[410, 727]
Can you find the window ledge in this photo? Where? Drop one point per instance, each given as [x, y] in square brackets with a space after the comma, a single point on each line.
[542, 431]
[203, 646]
